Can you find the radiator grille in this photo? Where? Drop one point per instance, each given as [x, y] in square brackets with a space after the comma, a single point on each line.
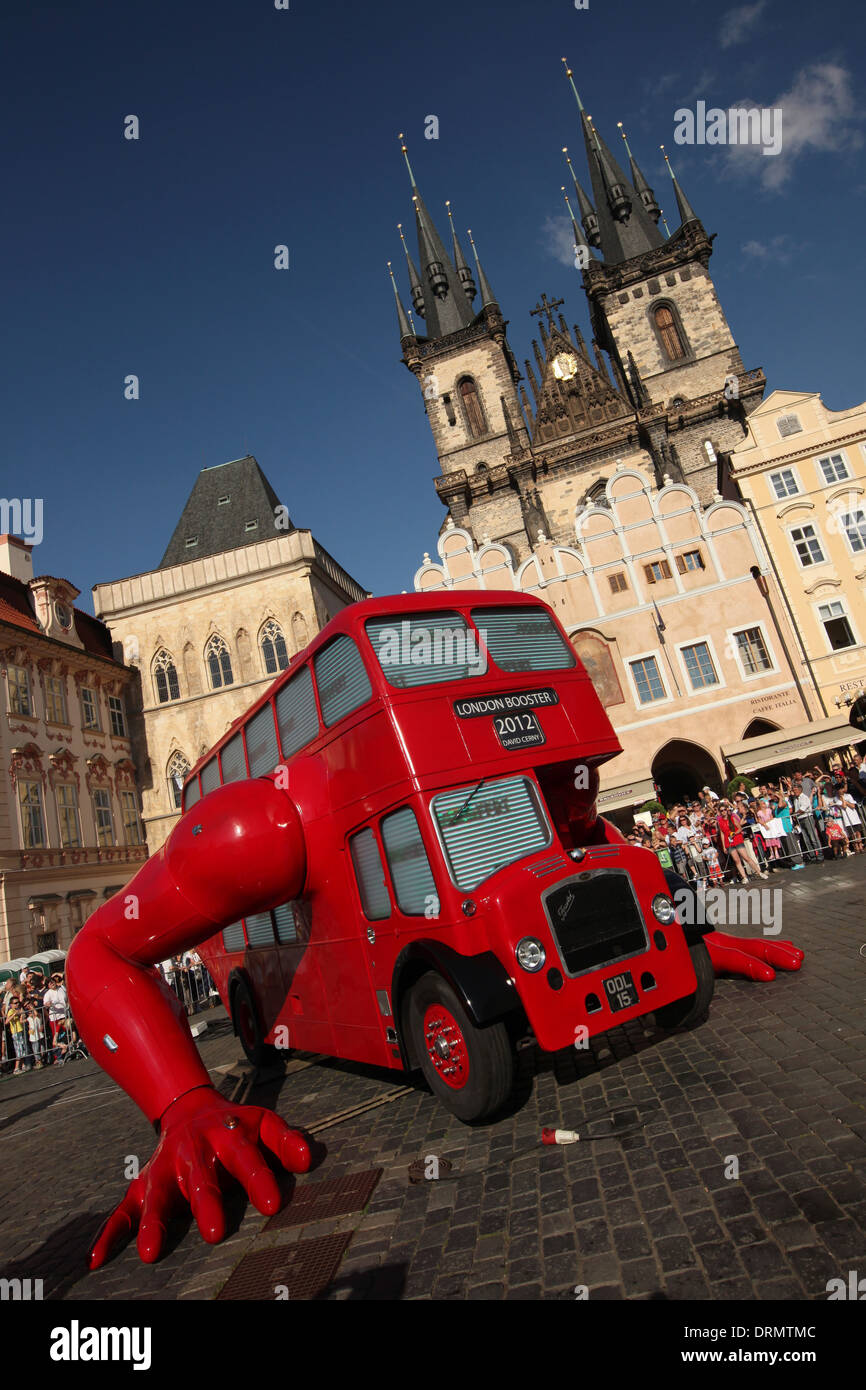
[595, 920]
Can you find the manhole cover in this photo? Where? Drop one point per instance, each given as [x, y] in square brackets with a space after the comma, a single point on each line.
[301, 1271]
[314, 1201]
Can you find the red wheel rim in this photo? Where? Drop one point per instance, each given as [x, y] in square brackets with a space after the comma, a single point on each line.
[446, 1046]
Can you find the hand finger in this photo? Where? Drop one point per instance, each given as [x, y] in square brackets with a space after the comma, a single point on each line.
[736, 960]
[159, 1198]
[290, 1147]
[201, 1190]
[243, 1160]
[117, 1226]
[782, 954]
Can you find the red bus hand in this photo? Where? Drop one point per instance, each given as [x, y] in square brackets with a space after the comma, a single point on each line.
[201, 1134]
[752, 957]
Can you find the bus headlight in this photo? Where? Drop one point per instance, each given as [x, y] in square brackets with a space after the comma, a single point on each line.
[530, 954]
[663, 909]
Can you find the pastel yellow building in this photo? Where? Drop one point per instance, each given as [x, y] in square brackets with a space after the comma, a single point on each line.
[674, 610]
[802, 471]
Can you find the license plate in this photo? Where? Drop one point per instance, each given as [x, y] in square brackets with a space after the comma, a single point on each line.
[518, 730]
[620, 991]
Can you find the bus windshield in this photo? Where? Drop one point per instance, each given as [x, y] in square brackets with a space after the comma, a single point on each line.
[423, 650]
[485, 827]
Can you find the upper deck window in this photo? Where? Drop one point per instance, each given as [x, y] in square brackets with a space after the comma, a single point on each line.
[342, 680]
[232, 758]
[210, 776]
[523, 639]
[427, 649]
[488, 826]
[262, 749]
[296, 712]
[191, 794]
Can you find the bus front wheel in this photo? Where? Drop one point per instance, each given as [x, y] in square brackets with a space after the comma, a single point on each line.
[685, 1013]
[245, 1021]
[469, 1069]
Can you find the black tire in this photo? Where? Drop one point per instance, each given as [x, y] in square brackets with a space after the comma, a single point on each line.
[693, 1009]
[247, 1026]
[486, 1052]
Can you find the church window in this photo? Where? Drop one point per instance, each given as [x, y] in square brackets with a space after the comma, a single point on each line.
[472, 408]
[219, 662]
[449, 410]
[165, 677]
[273, 645]
[788, 424]
[618, 582]
[176, 772]
[669, 333]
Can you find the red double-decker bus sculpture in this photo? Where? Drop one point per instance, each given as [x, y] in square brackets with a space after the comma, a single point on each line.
[395, 858]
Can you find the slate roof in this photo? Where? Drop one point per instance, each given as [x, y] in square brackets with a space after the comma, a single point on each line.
[217, 526]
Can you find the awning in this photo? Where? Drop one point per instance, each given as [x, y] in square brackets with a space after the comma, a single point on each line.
[634, 792]
[790, 745]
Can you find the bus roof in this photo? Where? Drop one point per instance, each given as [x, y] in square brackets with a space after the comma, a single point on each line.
[352, 618]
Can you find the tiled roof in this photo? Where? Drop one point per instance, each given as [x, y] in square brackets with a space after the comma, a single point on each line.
[225, 500]
[16, 609]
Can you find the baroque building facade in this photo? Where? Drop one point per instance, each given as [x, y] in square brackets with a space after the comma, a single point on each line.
[70, 823]
[661, 387]
[238, 592]
[802, 470]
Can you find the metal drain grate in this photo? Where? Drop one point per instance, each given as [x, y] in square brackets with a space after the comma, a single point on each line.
[314, 1201]
[302, 1271]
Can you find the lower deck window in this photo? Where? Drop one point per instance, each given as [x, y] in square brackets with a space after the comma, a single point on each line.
[411, 875]
[488, 826]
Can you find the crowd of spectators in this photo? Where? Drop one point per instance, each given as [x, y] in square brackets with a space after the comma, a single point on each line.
[36, 1026]
[757, 829]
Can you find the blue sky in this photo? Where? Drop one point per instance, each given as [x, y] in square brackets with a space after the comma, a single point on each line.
[261, 127]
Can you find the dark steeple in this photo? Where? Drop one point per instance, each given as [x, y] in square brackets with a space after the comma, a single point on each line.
[487, 296]
[625, 225]
[446, 306]
[463, 269]
[587, 211]
[414, 278]
[580, 243]
[231, 504]
[687, 213]
[642, 188]
[405, 330]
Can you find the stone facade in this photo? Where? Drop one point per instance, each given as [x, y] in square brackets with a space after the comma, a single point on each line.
[70, 827]
[218, 618]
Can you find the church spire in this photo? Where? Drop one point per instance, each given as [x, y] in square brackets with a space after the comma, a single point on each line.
[405, 330]
[626, 225]
[642, 188]
[687, 212]
[587, 211]
[446, 305]
[487, 296]
[579, 239]
[463, 269]
[414, 278]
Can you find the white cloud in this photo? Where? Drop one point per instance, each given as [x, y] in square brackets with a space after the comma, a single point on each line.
[557, 238]
[738, 24]
[780, 249]
[819, 113]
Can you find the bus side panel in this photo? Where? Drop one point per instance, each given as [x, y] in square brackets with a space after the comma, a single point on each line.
[305, 1006]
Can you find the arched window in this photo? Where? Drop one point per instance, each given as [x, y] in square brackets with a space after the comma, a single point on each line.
[273, 645]
[219, 663]
[669, 332]
[177, 769]
[597, 495]
[472, 408]
[165, 677]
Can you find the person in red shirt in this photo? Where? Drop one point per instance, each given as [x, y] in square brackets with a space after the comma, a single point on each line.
[734, 842]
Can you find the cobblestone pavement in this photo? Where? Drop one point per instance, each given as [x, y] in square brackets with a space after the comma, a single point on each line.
[642, 1206]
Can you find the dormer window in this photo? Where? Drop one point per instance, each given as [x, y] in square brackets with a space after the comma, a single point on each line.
[251, 526]
[191, 541]
[223, 501]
